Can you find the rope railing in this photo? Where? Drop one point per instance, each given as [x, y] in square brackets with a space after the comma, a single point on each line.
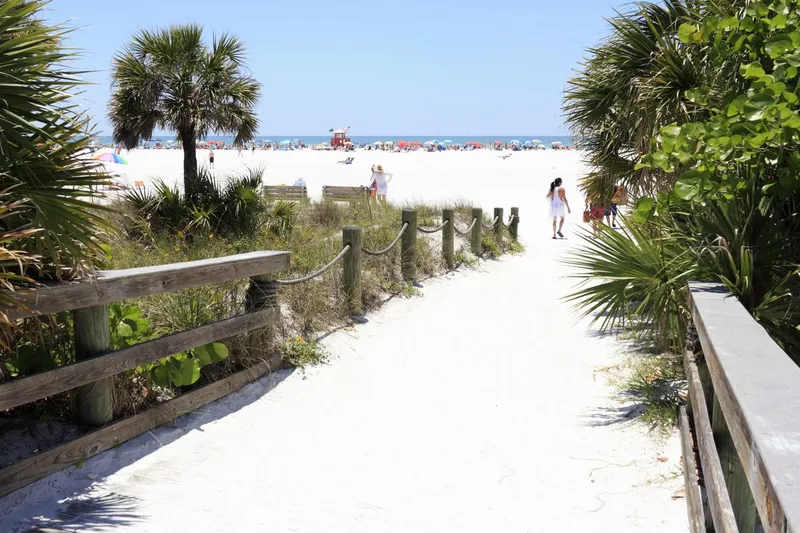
[316, 274]
[510, 221]
[388, 248]
[491, 225]
[466, 231]
[433, 230]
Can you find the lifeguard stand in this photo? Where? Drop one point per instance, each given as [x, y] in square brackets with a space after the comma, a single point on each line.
[339, 138]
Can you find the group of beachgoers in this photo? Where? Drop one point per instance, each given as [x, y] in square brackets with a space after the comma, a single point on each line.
[594, 212]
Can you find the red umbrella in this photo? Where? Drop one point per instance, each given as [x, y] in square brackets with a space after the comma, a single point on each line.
[401, 143]
[414, 143]
[475, 143]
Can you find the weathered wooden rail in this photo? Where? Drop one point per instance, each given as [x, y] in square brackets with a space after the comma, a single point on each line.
[96, 362]
[745, 404]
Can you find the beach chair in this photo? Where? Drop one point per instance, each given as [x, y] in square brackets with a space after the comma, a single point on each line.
[292, 193]
[347, 161]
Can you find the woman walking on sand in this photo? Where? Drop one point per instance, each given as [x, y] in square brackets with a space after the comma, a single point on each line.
[558, 201]
[380, 179]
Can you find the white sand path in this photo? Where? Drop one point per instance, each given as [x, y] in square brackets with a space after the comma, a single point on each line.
[478, 407]
[481, 406]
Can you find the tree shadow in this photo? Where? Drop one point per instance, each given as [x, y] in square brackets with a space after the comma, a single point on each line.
[92, 513]
[614, 415]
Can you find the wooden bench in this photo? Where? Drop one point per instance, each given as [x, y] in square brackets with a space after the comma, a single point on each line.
[297, 193]
[334, 193]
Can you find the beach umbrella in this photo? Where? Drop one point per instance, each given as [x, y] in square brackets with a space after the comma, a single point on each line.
[515, 141]
[389, 143]
[401, 143]
[110, 157]
[448, 141]
[430, 143]
[378, 143]
[536, 141]
[286, 142]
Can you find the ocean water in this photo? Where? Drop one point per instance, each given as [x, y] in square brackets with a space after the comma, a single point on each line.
[369, 139]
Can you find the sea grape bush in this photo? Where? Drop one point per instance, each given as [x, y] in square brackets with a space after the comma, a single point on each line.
[750, 129]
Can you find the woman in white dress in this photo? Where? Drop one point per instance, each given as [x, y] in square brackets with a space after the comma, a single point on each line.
[558, 201]
[381, 179]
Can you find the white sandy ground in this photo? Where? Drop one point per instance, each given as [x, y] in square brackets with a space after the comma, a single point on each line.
[481, 406]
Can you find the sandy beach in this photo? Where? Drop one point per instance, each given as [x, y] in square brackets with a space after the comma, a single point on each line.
[508, 422]
[480, 176]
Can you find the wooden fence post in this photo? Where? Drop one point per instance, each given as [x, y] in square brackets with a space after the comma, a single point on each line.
[352, 269]
[262, 293]
[514, 226]
[408, 266]
[498, 225]
[448, 237]
[744, 507]
[477, 231]
[95, 402]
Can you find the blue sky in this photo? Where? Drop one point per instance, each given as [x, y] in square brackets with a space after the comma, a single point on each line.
[405, 67]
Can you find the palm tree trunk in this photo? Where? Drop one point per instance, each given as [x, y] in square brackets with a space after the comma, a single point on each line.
[189, 165]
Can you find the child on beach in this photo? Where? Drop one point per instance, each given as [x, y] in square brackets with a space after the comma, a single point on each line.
[558, 201]
[211, 158]
[380, 179]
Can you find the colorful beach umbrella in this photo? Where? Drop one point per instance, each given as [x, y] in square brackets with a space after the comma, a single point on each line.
[448, 141]
[110, 157]
[285, 142]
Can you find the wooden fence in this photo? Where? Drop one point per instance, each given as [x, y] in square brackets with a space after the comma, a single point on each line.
[96, 363]
[745, 407]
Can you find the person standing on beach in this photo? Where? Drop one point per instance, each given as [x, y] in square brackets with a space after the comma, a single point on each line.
[558, 200]
[211, 158]
[239, 151]
[381, 179]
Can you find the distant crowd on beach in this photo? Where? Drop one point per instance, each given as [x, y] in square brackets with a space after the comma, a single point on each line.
[387, 146]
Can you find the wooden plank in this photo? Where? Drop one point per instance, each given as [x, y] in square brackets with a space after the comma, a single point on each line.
[694, 499]
[719, 502]
[115, 285]
[334, 192]
[286, 191]
[29, 389]
[29, 470]
[741, 499]
[755, 383]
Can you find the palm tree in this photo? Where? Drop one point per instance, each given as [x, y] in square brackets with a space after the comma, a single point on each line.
[630, 86]
[170, 79]
[47, 220]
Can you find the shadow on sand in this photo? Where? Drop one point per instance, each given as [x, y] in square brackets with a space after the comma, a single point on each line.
[74, 499]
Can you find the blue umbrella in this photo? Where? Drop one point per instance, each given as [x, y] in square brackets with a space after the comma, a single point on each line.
[287, 141]
[448, 141]
[515, 141]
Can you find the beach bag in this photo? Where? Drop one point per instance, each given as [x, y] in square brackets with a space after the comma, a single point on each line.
[373, 188]
[598, 212]
[621, 196]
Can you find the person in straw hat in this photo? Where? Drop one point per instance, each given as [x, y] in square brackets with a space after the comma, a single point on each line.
[379, 181]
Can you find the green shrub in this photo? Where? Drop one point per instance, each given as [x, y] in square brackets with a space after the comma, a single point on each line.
[297, 352]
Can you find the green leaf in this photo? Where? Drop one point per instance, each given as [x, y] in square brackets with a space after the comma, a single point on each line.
[645, 204]
[789, 97]
[159, 376]
[753, 70]
[671, 131]
[131, 312]
[778, 45]
[189, 372]
[686, 32]
[778, 21]
[124, 330]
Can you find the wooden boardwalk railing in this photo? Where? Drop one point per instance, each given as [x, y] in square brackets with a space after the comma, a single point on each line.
[745, 403]
[96, 363]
